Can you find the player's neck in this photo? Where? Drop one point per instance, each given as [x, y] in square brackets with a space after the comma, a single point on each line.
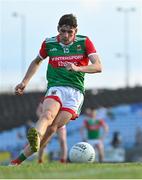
[63, 43]
[67, 45]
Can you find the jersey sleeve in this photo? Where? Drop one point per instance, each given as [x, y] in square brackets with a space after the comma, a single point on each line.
[42, 52]
[90, 48]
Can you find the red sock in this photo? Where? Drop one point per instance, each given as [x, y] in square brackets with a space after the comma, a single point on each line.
[63, 161]
[40, 161]
[19, 159]
[16, 161]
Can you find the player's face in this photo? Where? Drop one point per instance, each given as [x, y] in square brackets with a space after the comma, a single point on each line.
[67, 34]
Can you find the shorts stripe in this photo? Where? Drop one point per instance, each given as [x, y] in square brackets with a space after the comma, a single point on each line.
[56, 98]
[74, 115]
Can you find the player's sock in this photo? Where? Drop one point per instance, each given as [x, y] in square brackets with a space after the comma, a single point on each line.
[40, 161]
[19, 159]
[63, 161]
[34, 139]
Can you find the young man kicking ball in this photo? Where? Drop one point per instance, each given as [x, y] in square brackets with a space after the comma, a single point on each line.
[69, 55]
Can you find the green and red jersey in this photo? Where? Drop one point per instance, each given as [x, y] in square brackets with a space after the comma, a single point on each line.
[59, 55]
[93, 128]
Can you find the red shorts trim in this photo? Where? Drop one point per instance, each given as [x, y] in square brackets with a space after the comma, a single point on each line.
[56, 98]
[74, 115]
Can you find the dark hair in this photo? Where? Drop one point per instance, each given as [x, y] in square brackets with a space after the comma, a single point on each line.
[69, 20]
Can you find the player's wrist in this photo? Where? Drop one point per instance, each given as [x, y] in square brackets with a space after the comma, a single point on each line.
[79, 69]
[24, 83]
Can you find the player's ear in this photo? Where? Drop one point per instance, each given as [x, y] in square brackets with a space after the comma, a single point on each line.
[76, 30]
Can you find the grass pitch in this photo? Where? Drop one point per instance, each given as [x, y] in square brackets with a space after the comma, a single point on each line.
[57, 170]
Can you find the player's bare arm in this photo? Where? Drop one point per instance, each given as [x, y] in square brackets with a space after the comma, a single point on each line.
[105, 132]
[94, 67]
[19, 89]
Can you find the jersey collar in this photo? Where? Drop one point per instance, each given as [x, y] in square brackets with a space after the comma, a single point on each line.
[58, 40]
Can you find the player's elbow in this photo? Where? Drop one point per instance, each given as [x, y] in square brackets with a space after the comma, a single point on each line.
[99, 69]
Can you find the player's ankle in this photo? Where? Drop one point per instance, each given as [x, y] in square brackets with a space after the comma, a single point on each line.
[63, 160]
[40, 161]
[16, 162]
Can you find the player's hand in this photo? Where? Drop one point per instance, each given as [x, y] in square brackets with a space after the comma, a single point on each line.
[19, 89]
[72, 67]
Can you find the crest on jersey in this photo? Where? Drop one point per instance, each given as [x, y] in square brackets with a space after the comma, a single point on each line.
[78, 47]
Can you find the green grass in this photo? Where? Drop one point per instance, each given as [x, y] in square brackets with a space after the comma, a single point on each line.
[57, 170]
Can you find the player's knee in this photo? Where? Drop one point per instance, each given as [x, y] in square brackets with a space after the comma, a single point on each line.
[47, 115]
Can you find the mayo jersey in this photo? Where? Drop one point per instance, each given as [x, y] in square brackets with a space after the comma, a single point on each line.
[59, 55]
[93, 128]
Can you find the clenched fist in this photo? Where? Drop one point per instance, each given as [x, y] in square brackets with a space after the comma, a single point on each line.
[72, 67]
[19, 89]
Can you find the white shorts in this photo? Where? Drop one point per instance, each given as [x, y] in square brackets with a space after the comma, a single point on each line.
[94, 142]
[70, 99]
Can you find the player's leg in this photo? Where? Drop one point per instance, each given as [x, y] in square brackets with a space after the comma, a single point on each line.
[62, 135]
[72, 101]
[63, 144]
[50, 110]
[41, 154]
[100, 148]
[61, 119]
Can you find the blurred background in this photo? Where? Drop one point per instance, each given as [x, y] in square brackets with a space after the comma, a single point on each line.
[115, 27]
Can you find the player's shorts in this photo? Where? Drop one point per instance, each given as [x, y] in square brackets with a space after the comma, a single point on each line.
[70, 99]
[94, 142]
